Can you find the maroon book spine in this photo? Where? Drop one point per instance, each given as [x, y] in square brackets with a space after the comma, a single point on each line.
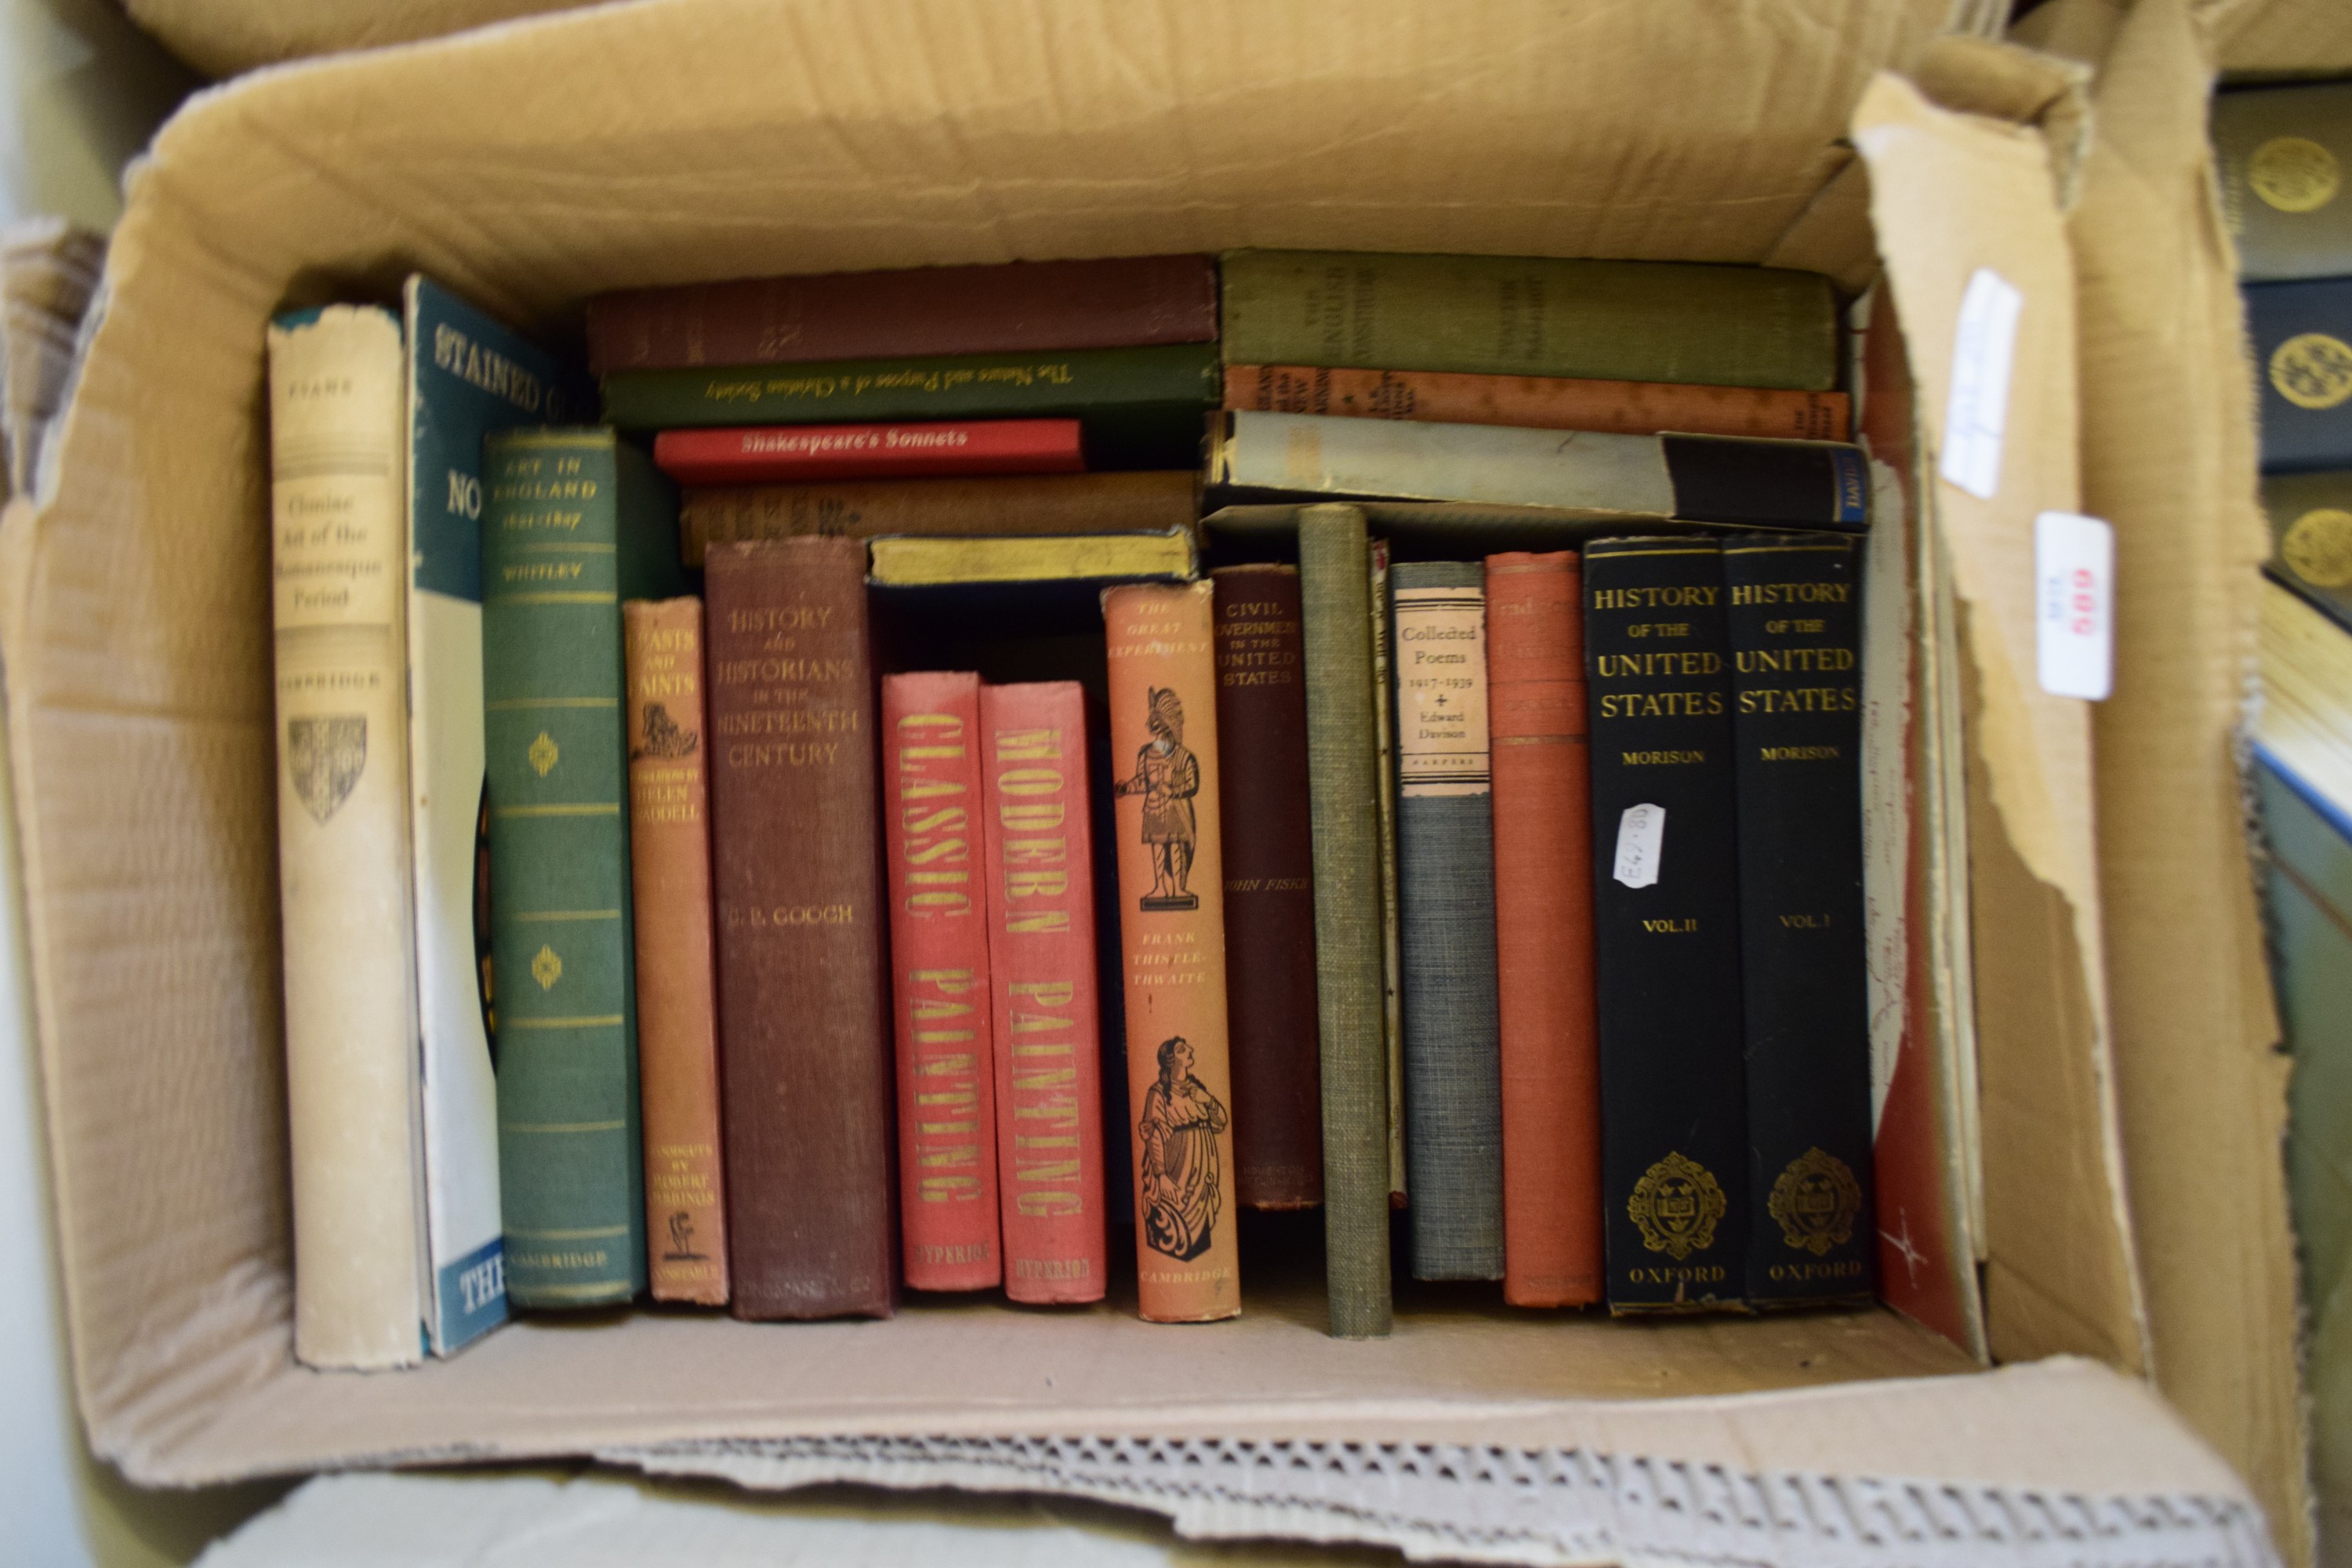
[1269, 890]
[1125, 301]
[803, 1008]
[932, 449]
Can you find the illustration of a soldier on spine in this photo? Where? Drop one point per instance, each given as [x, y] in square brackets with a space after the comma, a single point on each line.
[1167, 776]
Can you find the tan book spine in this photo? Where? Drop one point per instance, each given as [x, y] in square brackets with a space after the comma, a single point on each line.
[678, 1004]
[1145, 502]
[1540, 402]
[1163, 746]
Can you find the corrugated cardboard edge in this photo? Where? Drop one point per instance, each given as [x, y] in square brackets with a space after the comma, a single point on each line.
[2054, 1283]
[222, 39]
[2168, 456]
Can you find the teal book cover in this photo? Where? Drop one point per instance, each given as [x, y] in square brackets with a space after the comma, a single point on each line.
[574, 521]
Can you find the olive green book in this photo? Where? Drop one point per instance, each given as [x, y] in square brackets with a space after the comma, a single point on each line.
[573, 522]
[1510, 315]
[1335, 637]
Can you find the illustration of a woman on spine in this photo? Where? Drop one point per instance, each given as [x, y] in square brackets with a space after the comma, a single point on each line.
[1182, 1178]
[1167, 776]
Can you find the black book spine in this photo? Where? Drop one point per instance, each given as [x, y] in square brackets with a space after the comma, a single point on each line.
[1667, 925]
[1796, 628]
[1768, 484]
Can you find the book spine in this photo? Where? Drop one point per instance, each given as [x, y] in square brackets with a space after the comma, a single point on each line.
[1376, 561]
[805, 1056]
[1140, 408]
[2311, 538]
[1538, 402]
[1041, 989]
[1698, 479]
[677, 1000]
[1171, 885]
[338, 557]
[1665, 915]
[2279, 154]
[2303, 351]
[1446, 874]
[1543, 930]
[934, 810]
[1032, 306]
[570, 1155]
[1142, 502]
[1269, 888]
[1795, 626]
[1334, 605]
[807, 452]
[1614, 321]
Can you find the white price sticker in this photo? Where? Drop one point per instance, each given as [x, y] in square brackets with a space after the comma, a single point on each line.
[1640, 837]
[2074, 604]
[1984, 352]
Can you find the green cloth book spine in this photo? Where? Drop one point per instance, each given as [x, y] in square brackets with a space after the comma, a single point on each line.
[1335, 634]
[1138, 408]
[573, 522]
[1508, 315]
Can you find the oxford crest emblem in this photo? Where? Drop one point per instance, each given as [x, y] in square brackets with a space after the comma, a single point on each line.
[1816, 1201]
[326, 756]
[1677, 1204]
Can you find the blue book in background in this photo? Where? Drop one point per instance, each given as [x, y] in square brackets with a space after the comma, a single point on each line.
[468, 376]
[2303, 365]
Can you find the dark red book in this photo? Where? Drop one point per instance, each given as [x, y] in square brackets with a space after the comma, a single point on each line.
[803, 1006]
[1125, 301]
[1269, 890]
[931, 809]
[1042, 954]
[787, 454]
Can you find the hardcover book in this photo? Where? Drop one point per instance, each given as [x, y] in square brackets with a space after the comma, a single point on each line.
[1445, 875]
[1543, 930]
[934, 812]
[803, 1020]
[2302, 360]
[2282, 154]
[677, 997]
[1019, 306]
[1615, 321]
[782, 453]
[1171, 885]
[1140, 408]
[1376, 567]
[352, 1084]
[1141, 502]
[1699, 479]
[1269, 887]
[1794, 620]
[1041, 943]
[1538, 402]
[1334, 605]
[1665, 915]
[573, 522]
[2311, 537]
[922, 561]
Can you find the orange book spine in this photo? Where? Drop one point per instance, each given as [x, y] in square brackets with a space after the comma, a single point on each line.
[1540, 402]
[1172, 880]
[1041, 944]
[1542, 770]
[932, 833]
[678, 1004]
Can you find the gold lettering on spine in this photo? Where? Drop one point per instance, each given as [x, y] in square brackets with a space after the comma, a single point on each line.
[948, 1137]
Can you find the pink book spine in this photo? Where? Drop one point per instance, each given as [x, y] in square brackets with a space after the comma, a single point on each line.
[939, 980]
[1049, 1127]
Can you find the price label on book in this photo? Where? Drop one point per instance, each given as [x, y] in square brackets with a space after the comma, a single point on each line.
[1984, 352]
[1640, 835]
[2074, 604]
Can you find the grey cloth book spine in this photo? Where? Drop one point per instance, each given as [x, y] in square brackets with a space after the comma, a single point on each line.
[1445, 876]
[1334, 633]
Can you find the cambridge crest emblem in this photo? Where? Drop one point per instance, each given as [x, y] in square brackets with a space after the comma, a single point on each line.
[326, 756]
[1816, 1201]
[1677, 1204]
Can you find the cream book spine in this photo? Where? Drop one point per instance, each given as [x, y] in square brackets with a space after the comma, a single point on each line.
[339, 557]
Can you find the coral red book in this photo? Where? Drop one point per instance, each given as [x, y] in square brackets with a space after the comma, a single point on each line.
[931, 814]
[1543, 930]
[1049, 1127]
[786, 453]
[1171, 908]
[1540, 402]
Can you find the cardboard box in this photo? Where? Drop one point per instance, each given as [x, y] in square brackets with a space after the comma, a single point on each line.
[531, 165]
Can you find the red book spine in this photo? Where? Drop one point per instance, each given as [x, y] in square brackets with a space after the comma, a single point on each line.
[784, 454]
[1042, 954]
[1542, 770]
[939, 980]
